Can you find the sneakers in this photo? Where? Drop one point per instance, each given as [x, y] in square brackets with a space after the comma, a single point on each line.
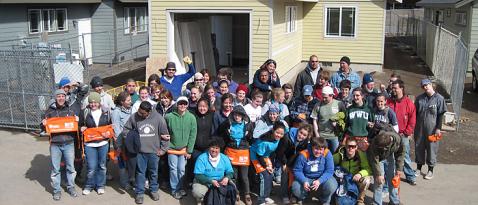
[155, 196]
[269, 200]
[57, 196]
[248, 199]
[385, 195]
[413, 183]
[177, 195]
[183, 193]
[139, 199]
[285, 200]
[417, 172]
[86, 191]
[72, 192]
[429, 175]
[100, 191]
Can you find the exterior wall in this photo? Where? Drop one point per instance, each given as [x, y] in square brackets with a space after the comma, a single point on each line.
[286, 47]
[103, 37]
[129, 46]
[366, 48]
[260, 24]
[14, 25]
[473, 22]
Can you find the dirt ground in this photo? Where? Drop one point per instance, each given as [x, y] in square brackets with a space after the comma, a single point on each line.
[456, 147]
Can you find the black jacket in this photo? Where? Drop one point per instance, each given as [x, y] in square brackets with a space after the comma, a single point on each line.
[304, 78]
[287, 151]
[204, 135]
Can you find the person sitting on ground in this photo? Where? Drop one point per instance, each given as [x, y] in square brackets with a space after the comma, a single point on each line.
[313, 172]
[166, 104]
[236, 133]
[278, 98]
[386, 155]
[131, 89]
[260, 152]
[286, 154]
[254, 109]
[324, 78]
[355, 162]
[273, 80]
[173, 82]
[212, 170]
[322, 113]
[345, 72]
[241, 95]
[302, 107]
[143, 96]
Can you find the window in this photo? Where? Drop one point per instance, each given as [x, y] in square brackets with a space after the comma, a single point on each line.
[340, 21]
[290, 18]
[135, 20]
[47, 20]
[460, 18]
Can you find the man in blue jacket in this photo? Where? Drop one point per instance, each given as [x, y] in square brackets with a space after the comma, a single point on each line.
[313, 172]
[173, 82]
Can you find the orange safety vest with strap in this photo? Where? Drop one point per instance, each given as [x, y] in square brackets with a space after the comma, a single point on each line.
[259, 168]
[238, 157]
[306, 154]
[98, 133]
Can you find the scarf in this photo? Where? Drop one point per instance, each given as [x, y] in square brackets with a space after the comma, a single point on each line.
[214, 161]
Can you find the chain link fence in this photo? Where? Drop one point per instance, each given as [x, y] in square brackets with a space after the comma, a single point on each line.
[444, 52]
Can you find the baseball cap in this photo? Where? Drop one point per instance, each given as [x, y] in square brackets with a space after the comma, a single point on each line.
[327, 90]
[183, 98]
[64, 81]
[367, 78]
[307, 90]
[425, 81]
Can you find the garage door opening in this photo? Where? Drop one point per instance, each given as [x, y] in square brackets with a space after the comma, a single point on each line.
[213, 40]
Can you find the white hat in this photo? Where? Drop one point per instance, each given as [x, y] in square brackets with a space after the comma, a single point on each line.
[198, 76]
[182, 98]
[327, 90]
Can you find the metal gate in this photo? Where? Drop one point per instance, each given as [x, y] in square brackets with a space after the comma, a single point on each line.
[26, 84]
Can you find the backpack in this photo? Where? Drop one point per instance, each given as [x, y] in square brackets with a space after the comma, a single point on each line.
[347, 191]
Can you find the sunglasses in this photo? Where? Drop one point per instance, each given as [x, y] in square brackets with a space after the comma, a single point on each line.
[198, 79]
[351, 146]
[171, 69]
[314, 61]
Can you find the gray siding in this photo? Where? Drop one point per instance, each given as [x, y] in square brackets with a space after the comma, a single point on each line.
[14, 25]
[130, 46]
[473, 20]
[102, 27]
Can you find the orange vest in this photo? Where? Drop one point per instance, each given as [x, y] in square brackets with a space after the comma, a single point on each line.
[61, 124]
[258, 165]
[239, 157]
[306, 154]
[178, 152]
[98, 133]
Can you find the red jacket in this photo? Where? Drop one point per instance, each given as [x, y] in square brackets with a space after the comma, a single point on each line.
[317, 93]
[406, 116]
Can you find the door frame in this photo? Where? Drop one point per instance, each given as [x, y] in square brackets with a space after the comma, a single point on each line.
[170, 29]
[88, 51]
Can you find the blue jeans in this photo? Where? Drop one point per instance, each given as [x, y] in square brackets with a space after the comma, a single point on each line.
[325, 191]
[333, 144]
[177, 167]
[388, 168]
[68, 153]
[407, 167]
[265, 186]
[96, 166]
[146, 163]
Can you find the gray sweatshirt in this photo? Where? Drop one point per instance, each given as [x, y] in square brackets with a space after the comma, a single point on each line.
[150, 130]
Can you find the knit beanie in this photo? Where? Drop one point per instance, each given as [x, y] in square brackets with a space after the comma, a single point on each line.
[94, 97]
[345, 59]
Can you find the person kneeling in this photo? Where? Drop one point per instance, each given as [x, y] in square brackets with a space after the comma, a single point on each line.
[313, 172]
[212, 173]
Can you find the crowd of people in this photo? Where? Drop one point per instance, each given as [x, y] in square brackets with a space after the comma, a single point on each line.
[331, 135]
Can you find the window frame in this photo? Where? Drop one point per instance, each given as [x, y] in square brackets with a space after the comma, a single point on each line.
[52, 14]
[291, 19]
[341, 7]
[127, 19]
[464, 17]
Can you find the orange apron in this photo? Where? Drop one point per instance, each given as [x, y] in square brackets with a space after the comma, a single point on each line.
[178, 152]
[239, 157]
[61, 124]
[258, 165]
[98, 133]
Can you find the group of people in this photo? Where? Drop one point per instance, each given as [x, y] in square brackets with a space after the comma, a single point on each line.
[331, 135]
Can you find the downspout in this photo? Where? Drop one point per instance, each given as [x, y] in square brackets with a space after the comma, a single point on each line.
[271, 25]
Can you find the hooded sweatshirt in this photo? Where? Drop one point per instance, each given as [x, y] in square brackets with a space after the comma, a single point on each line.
[204, 135]
[183, 130]
[263, 148]
[312, 167]
[150, 130]
[396, 148]
[236, 134]
[357, 118]
[357, 164]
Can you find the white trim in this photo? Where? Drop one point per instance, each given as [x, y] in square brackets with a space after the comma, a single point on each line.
[356, 7]
[293, 19]
[383, 32]
[150, 30]
[52, 28]
[271, 26]
[137, 26]
[170, 28]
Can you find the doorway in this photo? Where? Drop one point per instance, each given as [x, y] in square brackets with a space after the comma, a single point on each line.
[84, 42]
[213, 41]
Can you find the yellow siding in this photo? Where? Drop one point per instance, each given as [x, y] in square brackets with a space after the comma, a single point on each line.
[260, 23]
[366, 47]
[286, 47]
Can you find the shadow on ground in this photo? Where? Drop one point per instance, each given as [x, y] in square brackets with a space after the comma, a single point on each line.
[40, 172]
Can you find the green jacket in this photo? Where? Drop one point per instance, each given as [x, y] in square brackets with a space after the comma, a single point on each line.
[358, 164]
[182, 129]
